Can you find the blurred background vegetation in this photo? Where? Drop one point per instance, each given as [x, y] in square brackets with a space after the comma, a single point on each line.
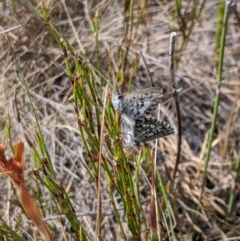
[60, 63]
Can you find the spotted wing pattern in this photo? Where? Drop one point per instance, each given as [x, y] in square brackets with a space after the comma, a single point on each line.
[138, 103]
[149, 128]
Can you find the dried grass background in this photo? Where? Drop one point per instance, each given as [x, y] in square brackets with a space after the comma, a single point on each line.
[50, 90]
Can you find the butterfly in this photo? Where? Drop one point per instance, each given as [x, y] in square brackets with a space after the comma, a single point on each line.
[138, 103]
[148, 128]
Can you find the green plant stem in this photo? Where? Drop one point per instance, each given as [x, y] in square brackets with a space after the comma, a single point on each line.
[236, 178]
[217, 97]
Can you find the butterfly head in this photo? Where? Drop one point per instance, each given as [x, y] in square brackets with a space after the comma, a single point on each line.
[117, 100]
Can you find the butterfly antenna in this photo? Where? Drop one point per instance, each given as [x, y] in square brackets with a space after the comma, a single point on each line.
[149, 75]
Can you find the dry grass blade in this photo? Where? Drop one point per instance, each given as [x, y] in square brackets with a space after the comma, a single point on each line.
[63, 55]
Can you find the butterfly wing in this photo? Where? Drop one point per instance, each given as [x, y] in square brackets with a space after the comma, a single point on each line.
[141, 102]
[149, 128]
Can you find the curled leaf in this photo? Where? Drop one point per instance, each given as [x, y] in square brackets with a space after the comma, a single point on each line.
[13, 168]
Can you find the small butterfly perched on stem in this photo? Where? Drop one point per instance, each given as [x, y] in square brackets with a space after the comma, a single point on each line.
[138, 103]
[139, 106]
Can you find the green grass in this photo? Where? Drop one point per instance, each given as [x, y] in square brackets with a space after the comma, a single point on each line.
[111, 180]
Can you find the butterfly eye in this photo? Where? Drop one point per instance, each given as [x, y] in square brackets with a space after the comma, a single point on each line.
[119, 97]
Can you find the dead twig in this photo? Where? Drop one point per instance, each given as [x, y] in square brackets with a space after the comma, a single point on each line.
[175, 92]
